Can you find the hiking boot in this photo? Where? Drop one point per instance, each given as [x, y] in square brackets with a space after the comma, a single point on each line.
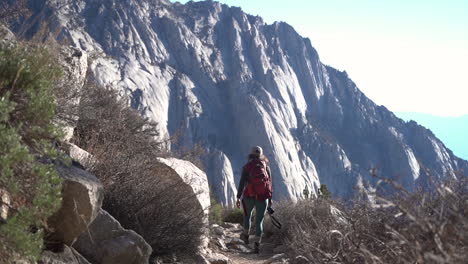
[256, 248]
[245, 238]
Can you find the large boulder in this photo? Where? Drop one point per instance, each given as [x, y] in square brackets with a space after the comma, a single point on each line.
[107, 242]
[67, 256]
[82, 196]
[195, 181]
[192, 176]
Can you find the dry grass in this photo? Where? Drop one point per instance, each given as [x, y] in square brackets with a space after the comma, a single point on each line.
[422, 227]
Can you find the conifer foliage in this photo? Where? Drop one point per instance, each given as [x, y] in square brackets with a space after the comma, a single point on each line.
[29, 185]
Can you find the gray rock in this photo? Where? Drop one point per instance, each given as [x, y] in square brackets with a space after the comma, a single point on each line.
[231, 225]
[219, 231]
[68, 256]
[82, 196]
[300, 260]
[235, 241]
[221, 244]
[196, 182]
[238, 245]
[78, 154]
[277, 259]
[280, 249]
[107, 242]
[216, 258]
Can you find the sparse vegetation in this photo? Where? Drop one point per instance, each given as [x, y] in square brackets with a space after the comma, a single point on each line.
[420, 227]
[29, 185]
[324, 192]
[216, 212]
[234, 215]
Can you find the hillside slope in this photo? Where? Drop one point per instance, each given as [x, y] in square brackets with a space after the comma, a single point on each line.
[451, 130]
[227, 80]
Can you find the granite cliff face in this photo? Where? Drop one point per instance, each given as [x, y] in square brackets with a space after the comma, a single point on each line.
[227, 80]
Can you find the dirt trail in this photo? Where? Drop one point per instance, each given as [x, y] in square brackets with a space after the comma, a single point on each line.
[243, 258]
[239, 253]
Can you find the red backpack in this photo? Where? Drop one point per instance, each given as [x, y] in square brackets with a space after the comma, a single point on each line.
[258, 181]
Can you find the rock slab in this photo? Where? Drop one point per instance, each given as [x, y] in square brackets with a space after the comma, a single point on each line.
[82, 196]
[107, 242]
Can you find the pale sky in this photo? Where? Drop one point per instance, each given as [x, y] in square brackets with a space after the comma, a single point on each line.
[408, 55]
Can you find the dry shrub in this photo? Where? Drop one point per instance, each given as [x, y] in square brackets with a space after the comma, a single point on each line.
[138, 189]
[10, 9]
[423, 227]
[29, 185]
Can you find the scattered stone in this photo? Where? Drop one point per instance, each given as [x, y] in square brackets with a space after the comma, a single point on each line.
[300, 260]
[220, 244]
[219, 231]
[235, 240]
[231, 225]
[239, 247]
[278, 258]
[107, 242]
[218, 259]
[82, 196]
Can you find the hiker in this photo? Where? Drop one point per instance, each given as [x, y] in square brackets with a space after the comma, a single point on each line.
[255, 188]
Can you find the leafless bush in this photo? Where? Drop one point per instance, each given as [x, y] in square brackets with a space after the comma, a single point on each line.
[162, 210]
[420, 227]
[10, 9]
[139, 191]
[193, 154]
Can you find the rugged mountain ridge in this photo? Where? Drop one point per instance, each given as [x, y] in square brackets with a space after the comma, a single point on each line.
[227, 80]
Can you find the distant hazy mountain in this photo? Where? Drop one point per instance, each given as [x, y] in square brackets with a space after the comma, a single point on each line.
[225, 79]
[453, 131]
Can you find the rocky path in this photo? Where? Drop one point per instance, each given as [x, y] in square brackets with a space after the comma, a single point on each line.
[225, 241]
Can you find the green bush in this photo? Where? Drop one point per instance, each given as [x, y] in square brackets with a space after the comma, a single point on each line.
[235, 215]
[216, 212]
[26, 136]
[324, 192]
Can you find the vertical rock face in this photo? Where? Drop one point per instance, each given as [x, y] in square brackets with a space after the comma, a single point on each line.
[229, 81]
